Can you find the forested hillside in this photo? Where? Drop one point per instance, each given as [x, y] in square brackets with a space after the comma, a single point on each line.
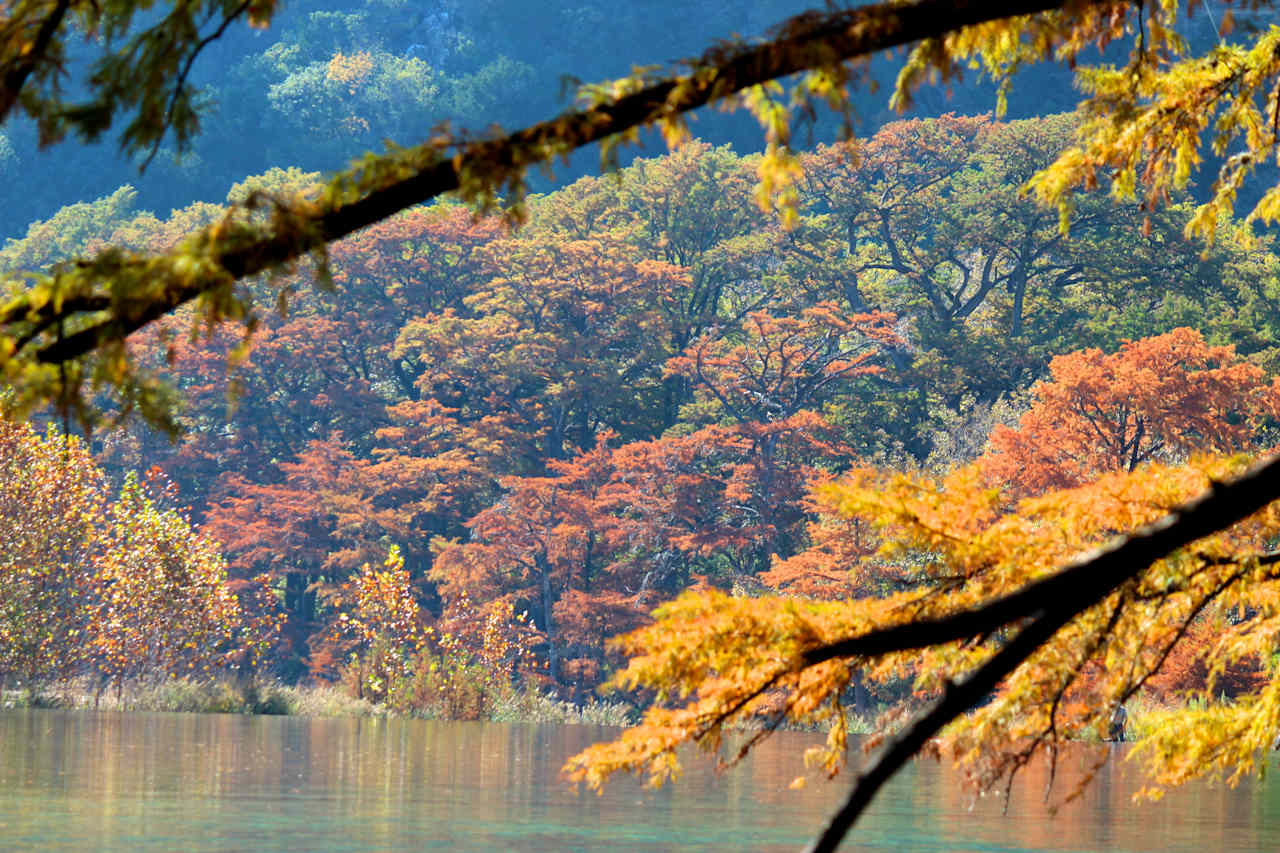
[637, 392]
[332, 78]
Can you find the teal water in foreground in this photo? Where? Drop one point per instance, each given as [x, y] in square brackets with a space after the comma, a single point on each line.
[185, 782]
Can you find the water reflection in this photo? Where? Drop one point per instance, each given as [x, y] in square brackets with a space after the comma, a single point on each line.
[76, 781]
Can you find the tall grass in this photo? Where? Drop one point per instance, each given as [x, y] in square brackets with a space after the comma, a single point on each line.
[182, 695]
[200, 697]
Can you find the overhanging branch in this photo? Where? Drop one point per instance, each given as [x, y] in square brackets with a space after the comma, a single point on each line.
[16, 77]
[1085, 581]
[957, 699]
[811, 41]
[1050, 604]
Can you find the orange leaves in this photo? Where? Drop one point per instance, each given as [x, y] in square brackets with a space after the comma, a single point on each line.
[1190, 668]
[727, 660]
[961, 529]
[562, 335]
[420, 261]
[834, 564]
[778, 366]
[1157, 398]
[615, 530]
[973, 547]
[950, 547]
[843, 176]
[296, 524]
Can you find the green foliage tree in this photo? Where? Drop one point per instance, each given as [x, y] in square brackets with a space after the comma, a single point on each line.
[1004, 37]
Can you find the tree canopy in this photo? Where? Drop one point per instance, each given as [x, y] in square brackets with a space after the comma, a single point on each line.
[67, 326]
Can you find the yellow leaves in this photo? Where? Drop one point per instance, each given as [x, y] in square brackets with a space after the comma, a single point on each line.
[127, 588]
[717, 662]
[350, 70]
[1268, 208]
[675, 132]
[1144, 124]
[779, 170]
[918, 515]
[1222, 740]
[386, 609]
[652, 748]
[779, 173]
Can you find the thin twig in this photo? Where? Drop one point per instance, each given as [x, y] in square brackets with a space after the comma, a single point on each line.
[181, 82]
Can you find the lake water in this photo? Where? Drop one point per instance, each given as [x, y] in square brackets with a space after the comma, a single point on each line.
[185, 782]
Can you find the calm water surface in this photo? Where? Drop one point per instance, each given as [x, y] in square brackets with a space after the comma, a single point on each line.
[142, 782]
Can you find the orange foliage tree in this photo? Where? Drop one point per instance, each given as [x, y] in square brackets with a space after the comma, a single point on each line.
[543, 537]
[1162, 397]
[305, 533]
[562, 340]
[591, 546]
[774, 367]
[835, 563]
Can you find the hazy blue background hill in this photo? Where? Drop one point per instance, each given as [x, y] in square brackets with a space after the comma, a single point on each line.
[276, 101]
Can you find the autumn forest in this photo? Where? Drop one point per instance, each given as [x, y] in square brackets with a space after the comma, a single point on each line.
[532, 437]
[736, 434]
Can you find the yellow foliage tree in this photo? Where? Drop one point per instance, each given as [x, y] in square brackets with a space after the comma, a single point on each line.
[165, 608]
[112, 589]
[382, 629]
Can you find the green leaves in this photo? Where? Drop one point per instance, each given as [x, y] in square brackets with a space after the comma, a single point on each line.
[142, 73]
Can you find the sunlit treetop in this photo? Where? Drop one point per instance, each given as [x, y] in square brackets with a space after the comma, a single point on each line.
[1160, 398]
[63, 329]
